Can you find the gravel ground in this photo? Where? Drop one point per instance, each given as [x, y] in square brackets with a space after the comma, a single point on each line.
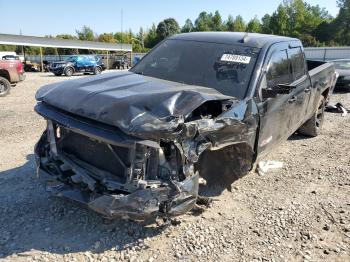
[298, 213]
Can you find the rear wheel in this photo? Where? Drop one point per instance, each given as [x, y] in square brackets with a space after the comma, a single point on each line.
[68, 71]
[313, 126]
[5, 86]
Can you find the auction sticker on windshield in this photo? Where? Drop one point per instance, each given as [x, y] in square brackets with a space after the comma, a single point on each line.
[235, 58]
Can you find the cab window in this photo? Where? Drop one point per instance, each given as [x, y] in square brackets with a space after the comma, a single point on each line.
[279, 70]
[298, 62]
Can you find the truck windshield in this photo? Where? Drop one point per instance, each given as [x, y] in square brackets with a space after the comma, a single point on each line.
[226, 68]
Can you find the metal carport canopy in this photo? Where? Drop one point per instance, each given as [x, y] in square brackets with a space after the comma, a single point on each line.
[7, 39]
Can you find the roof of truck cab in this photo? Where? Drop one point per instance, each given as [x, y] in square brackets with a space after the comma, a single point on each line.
[250, 39]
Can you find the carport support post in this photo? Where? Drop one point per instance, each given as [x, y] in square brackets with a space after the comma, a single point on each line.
[107, 60]
[41, 59]
[131, 58]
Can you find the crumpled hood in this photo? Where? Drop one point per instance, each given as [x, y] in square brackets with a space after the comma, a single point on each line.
[134, 103]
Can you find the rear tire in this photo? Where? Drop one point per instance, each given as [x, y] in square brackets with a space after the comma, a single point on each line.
[313, 126]
[5, 86]
[68, 71]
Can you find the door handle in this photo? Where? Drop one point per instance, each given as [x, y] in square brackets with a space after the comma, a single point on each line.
[292, 99]
[307, 90]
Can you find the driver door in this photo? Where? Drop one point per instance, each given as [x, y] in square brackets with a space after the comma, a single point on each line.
[80, 65]
[276, 113]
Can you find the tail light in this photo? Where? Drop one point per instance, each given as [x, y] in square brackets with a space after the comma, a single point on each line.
[19, 67]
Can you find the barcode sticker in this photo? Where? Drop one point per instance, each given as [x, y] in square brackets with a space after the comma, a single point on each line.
[235, 58]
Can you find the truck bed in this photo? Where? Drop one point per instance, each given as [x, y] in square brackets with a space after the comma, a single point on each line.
[323, 77]
[322, 74]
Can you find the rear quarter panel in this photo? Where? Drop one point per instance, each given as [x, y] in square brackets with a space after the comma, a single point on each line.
[8, 69]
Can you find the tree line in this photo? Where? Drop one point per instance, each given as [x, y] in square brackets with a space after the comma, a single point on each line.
[312, 24]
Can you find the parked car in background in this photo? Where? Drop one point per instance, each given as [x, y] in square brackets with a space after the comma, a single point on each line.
[122, 62]
[342, 67]
[10, 57]
[11, 72]
[30, 66]
[77, 63]
[7, 53]
[15, 65]
[133, 144]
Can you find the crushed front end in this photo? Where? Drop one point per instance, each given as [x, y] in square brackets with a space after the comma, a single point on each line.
[113, 173]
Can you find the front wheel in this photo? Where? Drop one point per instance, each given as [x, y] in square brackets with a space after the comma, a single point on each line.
[313, 126]
[5, 86]
[68, 71]
[97, 70]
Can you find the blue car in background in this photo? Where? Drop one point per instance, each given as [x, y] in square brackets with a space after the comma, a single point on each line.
[78, 63]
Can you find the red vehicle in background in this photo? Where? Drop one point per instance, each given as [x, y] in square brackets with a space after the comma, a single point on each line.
[11, 72]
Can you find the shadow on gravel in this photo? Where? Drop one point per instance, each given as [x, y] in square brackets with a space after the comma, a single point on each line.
[31, 220]
[296, 137]
[341, 90]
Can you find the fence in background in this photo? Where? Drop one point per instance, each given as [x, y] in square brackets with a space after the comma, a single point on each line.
[327, 53]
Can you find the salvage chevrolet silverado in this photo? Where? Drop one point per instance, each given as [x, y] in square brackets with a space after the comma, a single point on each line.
[133, 144]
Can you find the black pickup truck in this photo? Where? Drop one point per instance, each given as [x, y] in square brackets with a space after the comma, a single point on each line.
[134, 144]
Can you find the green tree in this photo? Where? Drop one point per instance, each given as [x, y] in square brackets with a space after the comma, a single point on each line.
[85, 33]
[254, 26]
[309, 40]
[107, 37]
[265, 25]
[279, 21]
[151, 37]
[239, 24]
[203, 22]
[167, 28]
[297, 19]
[8, 48]
[216, 22]
[188, 26]
[229, 25]
[342, 23]
[325, 32]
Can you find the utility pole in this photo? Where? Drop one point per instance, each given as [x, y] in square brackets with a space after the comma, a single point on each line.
[20, 33]
[121, 25]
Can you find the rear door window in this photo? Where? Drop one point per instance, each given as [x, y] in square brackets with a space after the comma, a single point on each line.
[298, 62]
[279, 69]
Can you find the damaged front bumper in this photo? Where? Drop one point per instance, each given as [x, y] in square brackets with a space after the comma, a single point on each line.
[114, 174]
[140, 205]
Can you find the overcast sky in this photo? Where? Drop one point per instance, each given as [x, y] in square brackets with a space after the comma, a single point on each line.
[39, 17]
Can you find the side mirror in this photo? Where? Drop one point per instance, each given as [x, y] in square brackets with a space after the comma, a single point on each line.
[282, 89]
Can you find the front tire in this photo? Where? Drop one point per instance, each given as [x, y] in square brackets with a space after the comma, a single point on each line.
[313, 126]
[97, 70]
[5, 86]
[68, 71]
